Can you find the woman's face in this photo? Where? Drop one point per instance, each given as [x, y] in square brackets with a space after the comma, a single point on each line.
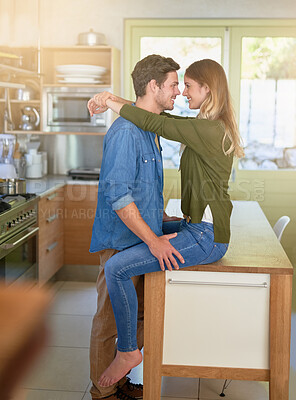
[195, 93]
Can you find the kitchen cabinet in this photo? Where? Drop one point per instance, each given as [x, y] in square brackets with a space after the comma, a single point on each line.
[238, 304]
[105, 56]
[50, 57]
[21, 66]
[51, 234]
[80, 209]
[65, 218]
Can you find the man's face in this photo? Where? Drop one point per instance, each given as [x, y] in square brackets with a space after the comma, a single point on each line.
[168, 92]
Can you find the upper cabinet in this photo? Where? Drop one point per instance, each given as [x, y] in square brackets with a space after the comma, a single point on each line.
[102, 56]
[39, 71]
[19, 85]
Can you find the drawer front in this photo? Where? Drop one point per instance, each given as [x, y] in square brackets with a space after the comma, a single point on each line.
[51, 257]
[51, 234]
[217, 319]
[84, 194]
[53, 223]
[51, 205]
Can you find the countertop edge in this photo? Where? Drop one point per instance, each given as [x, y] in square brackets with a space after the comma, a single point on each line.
[44, 186]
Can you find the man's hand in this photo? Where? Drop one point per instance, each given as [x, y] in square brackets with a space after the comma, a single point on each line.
[97, 105]
[161, 248]
[94, 109]
[101, 98]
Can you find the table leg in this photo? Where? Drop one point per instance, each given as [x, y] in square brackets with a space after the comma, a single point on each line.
[154, 293]
[280, 335]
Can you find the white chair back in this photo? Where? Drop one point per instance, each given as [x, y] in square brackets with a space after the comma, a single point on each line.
[280, 226]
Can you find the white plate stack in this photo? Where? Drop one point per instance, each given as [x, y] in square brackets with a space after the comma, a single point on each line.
[79, 73]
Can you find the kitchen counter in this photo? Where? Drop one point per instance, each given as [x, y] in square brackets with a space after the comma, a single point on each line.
[49, 183]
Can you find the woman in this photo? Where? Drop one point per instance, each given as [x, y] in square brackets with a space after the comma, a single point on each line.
[209, 143]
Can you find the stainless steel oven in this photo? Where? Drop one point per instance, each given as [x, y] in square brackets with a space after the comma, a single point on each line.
[19, 239]
[65, 110]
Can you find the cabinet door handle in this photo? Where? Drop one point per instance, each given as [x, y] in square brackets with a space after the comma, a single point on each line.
[52, 218]
[263, 285]
[52, 246]
[52, 196]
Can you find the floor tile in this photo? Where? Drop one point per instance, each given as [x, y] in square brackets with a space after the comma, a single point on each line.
[74, 302]
[89, 386]
[53, 395]
[71, 285]
[179, 387]
[87, 396]
[69, 330]
[55, 286]
[61, 368]
[175, 398]
[237, 390]
[19, 394]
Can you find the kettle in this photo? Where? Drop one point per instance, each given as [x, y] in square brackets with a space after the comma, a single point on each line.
[30, 119]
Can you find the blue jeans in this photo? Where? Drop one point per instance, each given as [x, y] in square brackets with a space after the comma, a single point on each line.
[196, 244]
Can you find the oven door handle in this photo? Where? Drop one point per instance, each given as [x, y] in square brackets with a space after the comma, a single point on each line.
[7, 246]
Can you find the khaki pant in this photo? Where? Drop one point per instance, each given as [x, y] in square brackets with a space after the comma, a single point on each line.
[104, 332]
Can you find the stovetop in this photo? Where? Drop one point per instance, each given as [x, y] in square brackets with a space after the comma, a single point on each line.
[18, 213]
[85, 173]
[8, 201]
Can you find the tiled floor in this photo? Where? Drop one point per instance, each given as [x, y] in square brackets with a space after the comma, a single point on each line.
[62, 372]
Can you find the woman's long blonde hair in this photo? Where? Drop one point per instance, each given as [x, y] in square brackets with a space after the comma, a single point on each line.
[217, 105]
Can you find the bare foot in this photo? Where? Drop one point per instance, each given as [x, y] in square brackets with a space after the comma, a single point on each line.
[120, 366]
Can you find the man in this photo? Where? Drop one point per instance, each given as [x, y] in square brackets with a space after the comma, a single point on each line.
[130, 193]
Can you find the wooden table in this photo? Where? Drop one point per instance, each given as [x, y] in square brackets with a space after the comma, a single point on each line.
[254, 253]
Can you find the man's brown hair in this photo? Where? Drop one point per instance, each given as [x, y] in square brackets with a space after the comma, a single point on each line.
[152, 67]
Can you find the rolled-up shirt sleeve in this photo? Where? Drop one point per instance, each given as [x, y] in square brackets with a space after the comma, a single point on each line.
[120, 169]
[122, 202]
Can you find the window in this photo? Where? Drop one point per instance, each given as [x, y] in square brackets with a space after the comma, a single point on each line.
[259, 57]
[264, 88]
[268, 91]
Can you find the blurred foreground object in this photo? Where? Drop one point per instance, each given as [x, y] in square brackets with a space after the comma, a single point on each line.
[23, 333]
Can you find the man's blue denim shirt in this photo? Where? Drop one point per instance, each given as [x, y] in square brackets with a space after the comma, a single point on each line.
[131, 171]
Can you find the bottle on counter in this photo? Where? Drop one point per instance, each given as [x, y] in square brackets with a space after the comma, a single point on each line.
[19, 162]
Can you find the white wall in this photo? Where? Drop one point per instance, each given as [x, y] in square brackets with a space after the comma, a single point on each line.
[62, 20]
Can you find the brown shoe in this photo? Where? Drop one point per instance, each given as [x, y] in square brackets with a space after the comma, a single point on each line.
[133, 390]
[119, 395]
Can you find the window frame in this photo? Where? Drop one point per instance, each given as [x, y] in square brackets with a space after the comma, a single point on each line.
[274, 28]
[231, 32]
[136, 29]
[231, 53]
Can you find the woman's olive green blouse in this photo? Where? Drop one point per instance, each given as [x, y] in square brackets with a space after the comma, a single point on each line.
[205, 169]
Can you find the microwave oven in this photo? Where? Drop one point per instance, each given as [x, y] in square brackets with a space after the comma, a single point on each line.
[65, 110]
